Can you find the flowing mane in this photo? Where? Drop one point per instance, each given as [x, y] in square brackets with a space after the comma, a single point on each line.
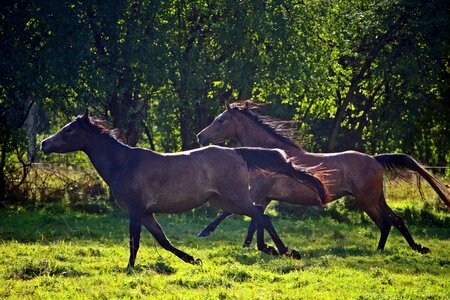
[105, 127]
[279, 129]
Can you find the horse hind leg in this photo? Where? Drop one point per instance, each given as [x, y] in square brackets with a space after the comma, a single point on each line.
[382, 223]
[264, 222]
[239, 201]
[261, 245]
[155, 229]
[250, 232]
[397, 221]
[261, 203]
[258, 223]
[385, 228]
[213, 225]
[252, 229]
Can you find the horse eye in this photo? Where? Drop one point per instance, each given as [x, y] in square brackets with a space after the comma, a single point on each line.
[220, 121]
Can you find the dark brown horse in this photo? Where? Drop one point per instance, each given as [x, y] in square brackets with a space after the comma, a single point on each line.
[350, 172]
[145, 182]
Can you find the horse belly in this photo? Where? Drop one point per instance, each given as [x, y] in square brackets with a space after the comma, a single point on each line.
[176, 205]
[177, 197]
[290, 190]
[219, 203]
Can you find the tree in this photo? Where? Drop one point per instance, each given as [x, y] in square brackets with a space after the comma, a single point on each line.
[366, 75]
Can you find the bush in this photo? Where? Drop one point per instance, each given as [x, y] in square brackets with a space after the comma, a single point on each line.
[71, 186]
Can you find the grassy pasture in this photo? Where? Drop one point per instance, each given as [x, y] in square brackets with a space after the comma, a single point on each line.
[58, 253]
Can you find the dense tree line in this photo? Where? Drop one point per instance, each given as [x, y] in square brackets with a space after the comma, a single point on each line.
[366, 75]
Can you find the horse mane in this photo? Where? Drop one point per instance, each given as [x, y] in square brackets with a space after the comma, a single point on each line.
[104, 127]
[281, 130]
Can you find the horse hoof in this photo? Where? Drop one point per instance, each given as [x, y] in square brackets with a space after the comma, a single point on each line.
[270, 250]
[204, 233]
[422, 250]
[425, 250]
[190, 260]
[129, 270]
[294, 254]
[247, 244]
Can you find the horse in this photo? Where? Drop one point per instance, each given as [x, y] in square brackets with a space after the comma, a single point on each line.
[349, 173]
[146, 182]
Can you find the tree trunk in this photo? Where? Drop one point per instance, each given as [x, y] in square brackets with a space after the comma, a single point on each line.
[2, 168]
[334, 133]
[123, 112]
[185, 123]
[31, 124]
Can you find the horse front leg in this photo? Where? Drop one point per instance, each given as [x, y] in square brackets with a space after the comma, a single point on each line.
[213, 225]
[135, 236]
[155, 229]
[250, 232]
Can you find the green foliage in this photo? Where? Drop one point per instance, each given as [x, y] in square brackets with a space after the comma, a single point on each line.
[365, 75]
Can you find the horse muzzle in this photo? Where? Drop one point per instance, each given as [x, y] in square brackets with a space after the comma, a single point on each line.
[47, 147]
[202, 140]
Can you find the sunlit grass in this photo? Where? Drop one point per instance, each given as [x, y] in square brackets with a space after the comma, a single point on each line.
[62, 254]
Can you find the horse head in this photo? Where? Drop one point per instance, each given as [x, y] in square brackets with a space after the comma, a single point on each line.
[69, 138]
[224, 127]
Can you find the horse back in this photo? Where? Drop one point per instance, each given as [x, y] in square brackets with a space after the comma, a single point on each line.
[350, 172]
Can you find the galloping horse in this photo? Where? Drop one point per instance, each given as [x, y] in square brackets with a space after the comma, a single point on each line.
[145, 182]
[350, 172]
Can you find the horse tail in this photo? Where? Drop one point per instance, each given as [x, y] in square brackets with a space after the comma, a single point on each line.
[399, 163]
[275, 161]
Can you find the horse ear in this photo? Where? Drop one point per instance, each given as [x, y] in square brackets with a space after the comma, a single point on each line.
[247, 104]
[86, 115]
[227, 105]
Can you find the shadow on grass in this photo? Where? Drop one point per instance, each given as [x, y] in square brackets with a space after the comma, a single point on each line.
[42, 227]
[160, 267]
[342, 252]
[32, 269]
[38, 226]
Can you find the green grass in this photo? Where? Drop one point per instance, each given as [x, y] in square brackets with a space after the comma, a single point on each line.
[51, 253]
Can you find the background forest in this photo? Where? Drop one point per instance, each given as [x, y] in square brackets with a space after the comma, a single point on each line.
[363, 74]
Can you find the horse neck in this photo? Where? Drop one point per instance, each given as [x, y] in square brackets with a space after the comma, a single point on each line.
[251, 134]
[107, 155]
